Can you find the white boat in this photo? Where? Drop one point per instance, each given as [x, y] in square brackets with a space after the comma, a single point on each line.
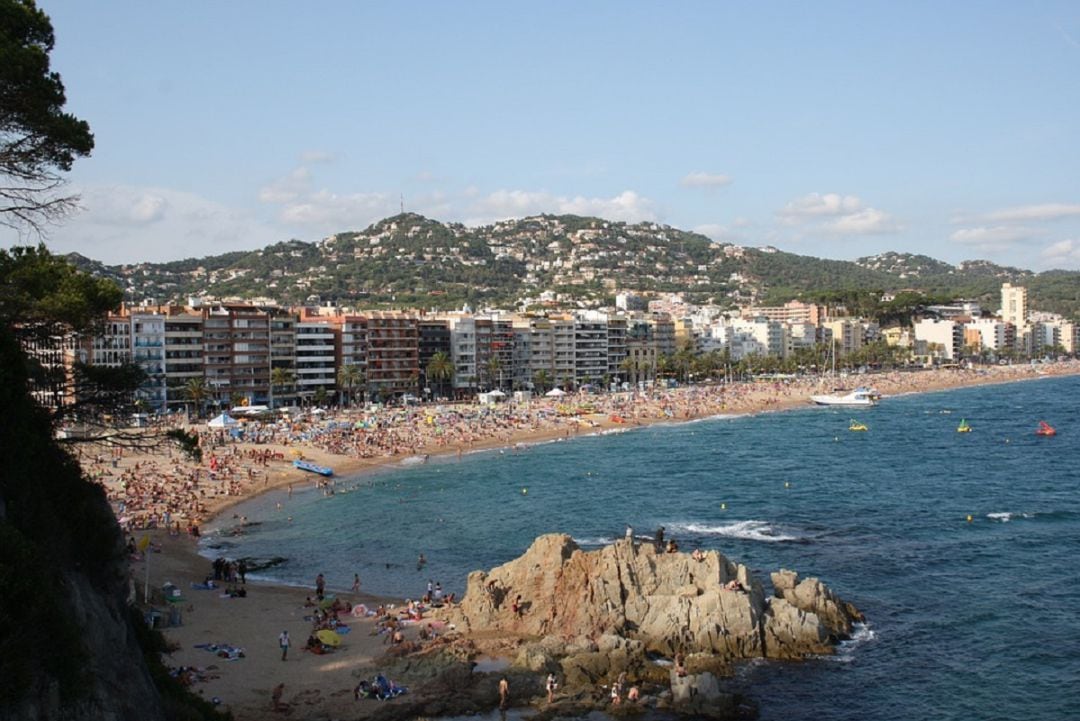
[858, 397]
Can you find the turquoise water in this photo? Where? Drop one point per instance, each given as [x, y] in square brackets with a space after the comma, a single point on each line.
[966, 620]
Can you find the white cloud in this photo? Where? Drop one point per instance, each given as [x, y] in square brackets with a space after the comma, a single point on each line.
[868, 221]
[717, 232]
[128, 224]
[320, 212]
[705, 180]
[332, 212]
[816, 205]
[627, 206]
[310, 157]
[1062, 253]
[122, 206]
[837, 214]
[993, 238]
[1043, 211]
[287, 189]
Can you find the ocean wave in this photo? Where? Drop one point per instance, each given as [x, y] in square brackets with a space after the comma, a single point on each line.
[747, 530]
[594, 541]
[861, 633]
[1006, 516]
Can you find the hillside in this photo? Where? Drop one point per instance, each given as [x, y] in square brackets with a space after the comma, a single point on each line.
[410, 260]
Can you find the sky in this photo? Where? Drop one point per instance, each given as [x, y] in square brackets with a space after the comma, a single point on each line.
[831, 129]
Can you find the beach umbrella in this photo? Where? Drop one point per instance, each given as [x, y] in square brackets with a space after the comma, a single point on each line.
[330, 638]
[555, 393]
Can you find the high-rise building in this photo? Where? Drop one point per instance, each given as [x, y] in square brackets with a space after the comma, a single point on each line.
[1014, 304]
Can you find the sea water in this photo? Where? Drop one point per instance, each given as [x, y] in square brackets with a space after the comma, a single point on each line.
[966, 619]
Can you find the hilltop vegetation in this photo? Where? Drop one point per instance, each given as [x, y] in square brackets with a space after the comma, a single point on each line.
[410, 260]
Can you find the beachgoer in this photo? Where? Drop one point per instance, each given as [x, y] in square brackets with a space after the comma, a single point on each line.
[420, 562]
[516, 607]
[241, 568]
[356, 583]
[283, 641]
[660, 539]
[680, 664]
[698, 555]
[629, 532]
[275, 696]
[504, 692]
[672, 547]
[551, 685]
[320, 586]
[633, 694]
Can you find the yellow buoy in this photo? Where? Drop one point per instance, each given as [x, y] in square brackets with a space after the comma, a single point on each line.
[723, 506]
[969, 519]
[524, 491]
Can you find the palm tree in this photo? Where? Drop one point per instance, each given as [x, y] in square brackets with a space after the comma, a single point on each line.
[441, 369]
[629, 366]
[493, 367]
[348, 377]
[320, 396]
[542, 381]
[236, 398]
[196, 390]
[280, 377]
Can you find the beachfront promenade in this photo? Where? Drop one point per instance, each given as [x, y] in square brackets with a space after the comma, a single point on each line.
[162, 487]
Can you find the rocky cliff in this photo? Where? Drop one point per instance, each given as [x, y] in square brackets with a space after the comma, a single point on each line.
[68, 645]
[663, 603]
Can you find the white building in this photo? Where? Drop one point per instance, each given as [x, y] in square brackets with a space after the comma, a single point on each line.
[315, 358]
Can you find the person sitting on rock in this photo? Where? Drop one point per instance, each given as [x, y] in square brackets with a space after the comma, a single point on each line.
[698, 555]
[680, 664]
[733, 585]
[672, 547]
[633, 694]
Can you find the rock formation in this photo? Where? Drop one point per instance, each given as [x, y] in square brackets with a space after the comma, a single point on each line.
[661, 603]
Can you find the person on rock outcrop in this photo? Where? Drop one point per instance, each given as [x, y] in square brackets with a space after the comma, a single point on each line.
[551, 685]
[504, 692]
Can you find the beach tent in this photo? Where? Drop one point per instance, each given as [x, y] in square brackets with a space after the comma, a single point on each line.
[223, 421]
[496, 393]
[555, 393]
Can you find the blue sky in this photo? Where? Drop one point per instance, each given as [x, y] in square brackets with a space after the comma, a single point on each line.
[830, 129]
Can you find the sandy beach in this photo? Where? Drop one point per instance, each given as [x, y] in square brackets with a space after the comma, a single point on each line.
[175, 493]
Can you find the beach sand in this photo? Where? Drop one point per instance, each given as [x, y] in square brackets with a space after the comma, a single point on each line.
[321, 686]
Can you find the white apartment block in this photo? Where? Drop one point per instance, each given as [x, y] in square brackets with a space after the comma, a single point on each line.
[943, 338]
[315, 358]
[992, 332]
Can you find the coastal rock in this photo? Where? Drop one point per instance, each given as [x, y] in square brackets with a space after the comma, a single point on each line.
[812, 596]
[631, 599]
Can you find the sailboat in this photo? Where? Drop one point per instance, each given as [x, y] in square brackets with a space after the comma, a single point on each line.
[963, 427]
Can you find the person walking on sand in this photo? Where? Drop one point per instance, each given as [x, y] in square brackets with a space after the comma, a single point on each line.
[275, 696]
[504, 692]
[320, 586]
[283, 641]
[356, 583]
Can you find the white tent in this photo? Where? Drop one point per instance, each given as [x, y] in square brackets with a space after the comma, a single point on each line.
[223, 421]
[555, 393]
[496, 394]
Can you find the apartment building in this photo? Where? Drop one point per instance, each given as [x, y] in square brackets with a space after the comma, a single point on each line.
[236, 358]
[148, 352]
[393, 355]
[316, 359]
